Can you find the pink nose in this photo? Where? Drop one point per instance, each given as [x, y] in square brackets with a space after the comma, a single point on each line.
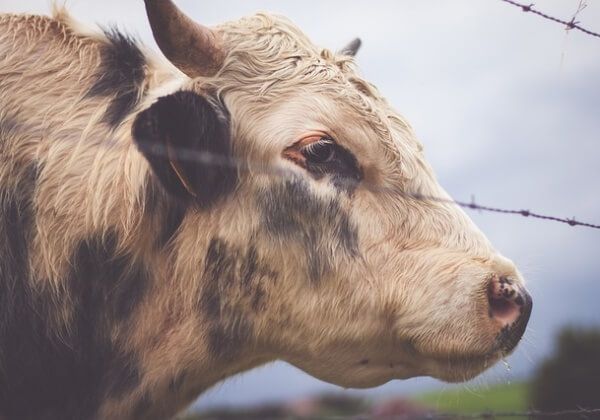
[510, 305]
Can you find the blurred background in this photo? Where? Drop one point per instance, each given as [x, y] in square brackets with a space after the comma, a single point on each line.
[507, 105]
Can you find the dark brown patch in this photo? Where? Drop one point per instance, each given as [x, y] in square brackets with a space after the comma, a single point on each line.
[162, 212]
[233, 292]
[228, 338]
[290, 212]
[56, 374]
[194, 391]
[109, 285]
[177, 381]
[123, 376]
[143, 406]
[258, 299]
[120, 77]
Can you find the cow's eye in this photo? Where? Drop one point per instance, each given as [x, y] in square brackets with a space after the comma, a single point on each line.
[326, 158]
[321, 151]
[322, 157]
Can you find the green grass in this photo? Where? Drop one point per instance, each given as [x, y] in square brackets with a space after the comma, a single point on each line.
[497, 398]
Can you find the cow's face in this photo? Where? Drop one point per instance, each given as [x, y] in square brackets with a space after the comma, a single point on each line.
[319, 247]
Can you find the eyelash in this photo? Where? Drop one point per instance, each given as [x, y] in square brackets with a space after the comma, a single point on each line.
[320, 151]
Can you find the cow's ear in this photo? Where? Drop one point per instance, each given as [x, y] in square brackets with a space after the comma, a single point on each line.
[186, 141]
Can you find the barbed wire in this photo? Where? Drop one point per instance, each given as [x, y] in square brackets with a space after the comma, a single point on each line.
[269, 169]
[533, 414]
[208, 158]
[527, 213]
[433, 415]
[572, 24]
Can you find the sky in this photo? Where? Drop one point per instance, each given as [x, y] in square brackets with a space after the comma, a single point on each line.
[507, 106]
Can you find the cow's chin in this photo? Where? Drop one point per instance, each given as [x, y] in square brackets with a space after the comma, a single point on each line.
[368, 373]
[461, 369]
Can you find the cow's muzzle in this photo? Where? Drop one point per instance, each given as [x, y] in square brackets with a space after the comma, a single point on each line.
[510, 306]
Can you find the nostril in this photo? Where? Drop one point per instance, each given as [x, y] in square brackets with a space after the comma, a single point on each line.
[505, 300]
[501, 308]
[504, 310]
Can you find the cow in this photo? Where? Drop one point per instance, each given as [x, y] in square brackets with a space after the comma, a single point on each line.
[168, 223]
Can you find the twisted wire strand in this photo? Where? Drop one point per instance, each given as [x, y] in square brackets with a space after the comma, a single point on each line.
[572, 24]
[207, 158]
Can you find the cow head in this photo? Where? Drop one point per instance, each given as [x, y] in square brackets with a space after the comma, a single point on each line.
[314, 247]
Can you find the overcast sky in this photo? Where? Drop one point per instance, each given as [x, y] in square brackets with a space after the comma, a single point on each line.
[507, 106]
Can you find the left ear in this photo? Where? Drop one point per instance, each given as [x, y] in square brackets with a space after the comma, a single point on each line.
[187, 143]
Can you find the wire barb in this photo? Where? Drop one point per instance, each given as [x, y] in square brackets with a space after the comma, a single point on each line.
[572, 24]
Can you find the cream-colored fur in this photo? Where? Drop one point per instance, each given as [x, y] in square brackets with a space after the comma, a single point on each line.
[412, 301]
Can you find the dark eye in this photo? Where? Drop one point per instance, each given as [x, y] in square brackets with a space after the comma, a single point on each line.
[322, 157]
[321, 151]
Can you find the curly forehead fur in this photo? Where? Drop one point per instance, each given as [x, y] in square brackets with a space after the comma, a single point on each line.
[269, 57]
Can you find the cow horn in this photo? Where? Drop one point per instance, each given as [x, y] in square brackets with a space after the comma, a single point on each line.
[194, 49]
[352, 47]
